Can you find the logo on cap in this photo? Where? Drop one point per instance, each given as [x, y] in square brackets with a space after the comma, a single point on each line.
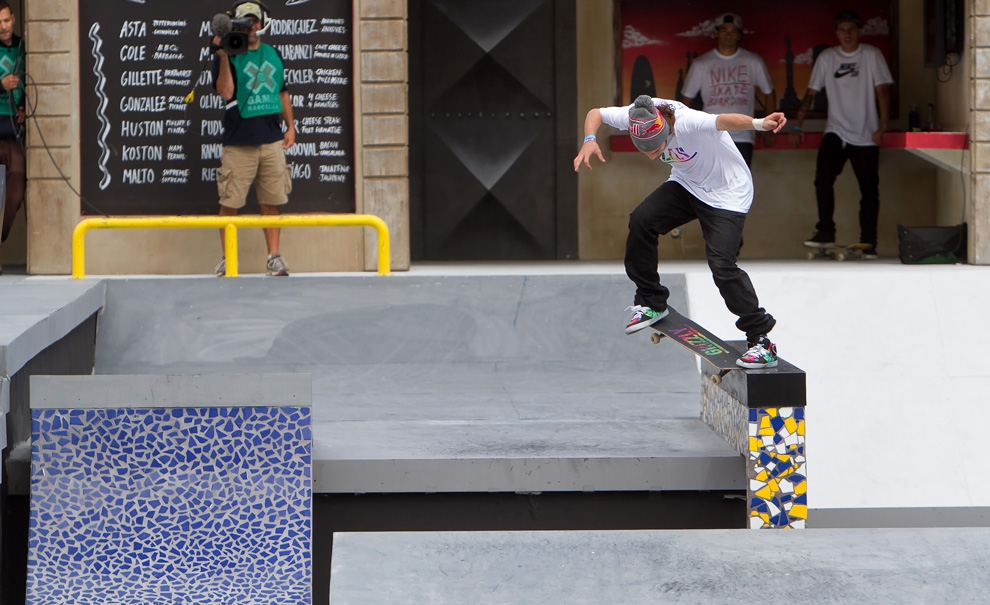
[645, 130]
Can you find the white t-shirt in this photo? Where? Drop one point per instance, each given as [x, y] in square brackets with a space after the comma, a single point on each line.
[850, 80]
[728, 84]
[702, 158]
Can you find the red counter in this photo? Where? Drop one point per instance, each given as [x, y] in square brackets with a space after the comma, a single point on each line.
[891, 140]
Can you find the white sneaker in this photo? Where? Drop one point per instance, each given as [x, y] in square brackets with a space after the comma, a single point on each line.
[277, 266]
[643, 317]
[761, 354]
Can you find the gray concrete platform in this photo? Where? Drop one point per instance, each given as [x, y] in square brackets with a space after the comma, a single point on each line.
[444, 384]
[633, 567]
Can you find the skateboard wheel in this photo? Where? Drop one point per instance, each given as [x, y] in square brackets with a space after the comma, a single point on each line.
[716, 379]
[840, 256]
[655, 338]
[811, 256]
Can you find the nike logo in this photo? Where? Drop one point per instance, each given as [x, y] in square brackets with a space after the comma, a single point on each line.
[846, 69]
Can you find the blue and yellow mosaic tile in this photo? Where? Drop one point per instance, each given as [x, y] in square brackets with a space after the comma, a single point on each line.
[170, 506]
[777, 477]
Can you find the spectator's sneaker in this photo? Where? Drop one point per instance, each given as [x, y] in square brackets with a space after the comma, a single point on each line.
[277, 266]
[870, 253]
[820, 240]
[761, 354]
[221, 269]
[643, 317]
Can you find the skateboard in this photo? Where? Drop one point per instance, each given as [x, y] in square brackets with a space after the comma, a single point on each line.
[699, 341]
[837, 252]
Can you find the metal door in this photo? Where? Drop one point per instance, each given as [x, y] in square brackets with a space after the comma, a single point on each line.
[484, 116]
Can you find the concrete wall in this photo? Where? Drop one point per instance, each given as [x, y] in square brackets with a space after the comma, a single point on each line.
[380, 166]
[913, 191]
[784, 211]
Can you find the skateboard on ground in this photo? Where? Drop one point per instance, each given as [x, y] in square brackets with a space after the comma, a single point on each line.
[699, 341]
[837, 252]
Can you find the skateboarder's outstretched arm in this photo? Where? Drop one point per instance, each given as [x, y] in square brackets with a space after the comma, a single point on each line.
[590, 146]
[737, 121]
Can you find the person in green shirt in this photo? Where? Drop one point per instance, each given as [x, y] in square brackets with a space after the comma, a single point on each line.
[253, 85]
[11, 117]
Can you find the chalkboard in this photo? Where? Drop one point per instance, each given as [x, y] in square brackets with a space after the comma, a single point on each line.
[144, 150]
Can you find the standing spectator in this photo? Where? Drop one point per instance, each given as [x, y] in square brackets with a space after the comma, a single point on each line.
[11, 117]
[727, 77]
[709, 181]
[253, 84]
[857, 81]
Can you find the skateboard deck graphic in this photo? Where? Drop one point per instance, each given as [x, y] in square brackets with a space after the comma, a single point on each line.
[837, 252]
[698, 340]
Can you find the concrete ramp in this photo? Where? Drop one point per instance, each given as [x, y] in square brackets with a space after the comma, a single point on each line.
[444, 384]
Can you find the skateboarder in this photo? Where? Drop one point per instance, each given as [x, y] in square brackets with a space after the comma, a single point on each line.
[709, 181]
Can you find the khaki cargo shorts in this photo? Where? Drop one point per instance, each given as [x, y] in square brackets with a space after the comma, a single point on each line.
[264, 167]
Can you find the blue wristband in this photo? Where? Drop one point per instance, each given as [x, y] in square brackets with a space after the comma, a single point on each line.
[797, 128]
[590, 137]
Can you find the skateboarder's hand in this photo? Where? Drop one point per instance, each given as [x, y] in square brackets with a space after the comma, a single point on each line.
[588, 149]
[795, 138]
[774, 122]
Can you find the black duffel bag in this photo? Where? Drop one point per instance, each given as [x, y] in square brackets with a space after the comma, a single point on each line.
[932, 245]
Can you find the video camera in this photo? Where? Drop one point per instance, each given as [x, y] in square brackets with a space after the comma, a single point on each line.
[232, 26]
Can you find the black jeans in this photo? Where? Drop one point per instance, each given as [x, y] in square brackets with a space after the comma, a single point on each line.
[670, 206]
[746, 149]
[865, 160]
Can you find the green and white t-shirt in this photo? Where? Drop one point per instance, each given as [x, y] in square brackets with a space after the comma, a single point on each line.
[260, 78]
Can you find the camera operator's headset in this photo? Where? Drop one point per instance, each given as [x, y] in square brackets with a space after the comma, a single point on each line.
[265, 13]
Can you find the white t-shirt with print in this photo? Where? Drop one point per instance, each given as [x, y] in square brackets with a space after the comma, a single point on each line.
[850, 80]
[702, 158]
[728, 84]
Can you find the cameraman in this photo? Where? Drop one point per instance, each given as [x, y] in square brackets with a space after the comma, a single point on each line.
[11, 117]
[253, 84]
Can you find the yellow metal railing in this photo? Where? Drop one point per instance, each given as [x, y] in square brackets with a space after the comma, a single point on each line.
[230, 225]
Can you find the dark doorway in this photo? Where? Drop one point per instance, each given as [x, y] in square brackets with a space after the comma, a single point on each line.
[492, 129]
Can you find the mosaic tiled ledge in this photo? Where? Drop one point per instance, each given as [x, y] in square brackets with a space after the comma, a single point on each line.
[167, 506]
[772, 440]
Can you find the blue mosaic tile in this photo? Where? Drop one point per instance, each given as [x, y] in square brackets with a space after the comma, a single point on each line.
[171, 506]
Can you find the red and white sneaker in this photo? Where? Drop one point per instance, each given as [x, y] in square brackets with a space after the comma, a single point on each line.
[761, 354]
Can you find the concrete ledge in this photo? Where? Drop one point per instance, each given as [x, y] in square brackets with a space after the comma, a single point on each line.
[175, 391]
[523, 456]
[946, 516]
[716, 566]
[39, 313]
[782, 386]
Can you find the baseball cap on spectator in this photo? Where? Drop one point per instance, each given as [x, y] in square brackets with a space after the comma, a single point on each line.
[647, 128]
[847, 17]
[247, 8]
[728, 18]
